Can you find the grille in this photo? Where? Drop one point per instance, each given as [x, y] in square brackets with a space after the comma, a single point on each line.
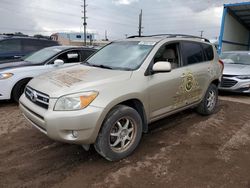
[228, 75]
[37, 97]
[228, 82]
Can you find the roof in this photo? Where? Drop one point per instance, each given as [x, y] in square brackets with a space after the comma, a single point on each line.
[241, 11]
[21, 37]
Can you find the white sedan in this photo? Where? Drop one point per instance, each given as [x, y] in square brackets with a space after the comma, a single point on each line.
[15, 75]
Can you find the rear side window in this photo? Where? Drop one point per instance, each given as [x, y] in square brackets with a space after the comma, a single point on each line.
[208, 51]
[30, 45]
[192, 53]
[70, 57]
[86, 54]
[12, 45]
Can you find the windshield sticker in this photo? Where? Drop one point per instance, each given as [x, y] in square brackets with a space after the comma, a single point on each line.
[146, 43]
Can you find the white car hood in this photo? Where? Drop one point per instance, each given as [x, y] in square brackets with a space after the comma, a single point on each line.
[76, 79]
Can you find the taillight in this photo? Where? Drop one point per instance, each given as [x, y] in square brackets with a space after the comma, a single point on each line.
[222, 65]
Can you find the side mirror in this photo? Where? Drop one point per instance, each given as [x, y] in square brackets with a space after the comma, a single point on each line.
[72, 55]
[161, 66]
[58, 62]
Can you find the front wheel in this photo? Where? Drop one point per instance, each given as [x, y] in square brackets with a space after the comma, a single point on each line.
[18, 89]
[209, 102]
[120, 134]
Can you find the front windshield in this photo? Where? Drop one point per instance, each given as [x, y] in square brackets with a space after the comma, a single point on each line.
[42, 55]
[124, 55]
[236, 58]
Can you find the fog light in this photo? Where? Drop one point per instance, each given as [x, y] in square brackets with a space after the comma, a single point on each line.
[75, 134]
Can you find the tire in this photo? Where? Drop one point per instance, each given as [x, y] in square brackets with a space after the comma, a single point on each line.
[18, 89]
[120, 134]
[209, 102]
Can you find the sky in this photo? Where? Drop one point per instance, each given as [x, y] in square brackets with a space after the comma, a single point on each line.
[118, 17]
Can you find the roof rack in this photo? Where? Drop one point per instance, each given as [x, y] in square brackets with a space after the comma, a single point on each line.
[171, 36]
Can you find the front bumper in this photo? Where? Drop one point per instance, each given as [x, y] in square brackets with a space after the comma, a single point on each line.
[5, 89]
[234, 84]
[59, 125]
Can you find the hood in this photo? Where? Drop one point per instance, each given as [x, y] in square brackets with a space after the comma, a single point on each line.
[14, 64]
[236, 69]
[76, 79]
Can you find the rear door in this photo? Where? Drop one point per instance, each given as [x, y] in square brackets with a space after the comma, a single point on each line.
[196, 75]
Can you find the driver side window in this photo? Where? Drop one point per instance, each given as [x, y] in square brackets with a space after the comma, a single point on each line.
[70, 57]
[168, 53]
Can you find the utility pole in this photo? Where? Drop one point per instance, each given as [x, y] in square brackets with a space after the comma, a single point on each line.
[201, 33]
[140, 24]
[106, 35]
[84, 21]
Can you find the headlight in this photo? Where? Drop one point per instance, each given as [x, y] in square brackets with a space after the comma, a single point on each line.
[243, 77]
[5, 75]
[76, 101]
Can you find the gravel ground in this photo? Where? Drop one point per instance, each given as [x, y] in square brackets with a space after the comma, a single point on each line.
[184, 150]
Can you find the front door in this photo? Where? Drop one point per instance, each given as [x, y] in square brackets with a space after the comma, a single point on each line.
[164, 87]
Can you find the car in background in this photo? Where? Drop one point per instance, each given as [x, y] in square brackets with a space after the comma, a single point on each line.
[236, 74]
[16, 47]
[15, 75]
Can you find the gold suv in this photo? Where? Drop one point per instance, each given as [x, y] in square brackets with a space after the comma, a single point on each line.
[109, 99]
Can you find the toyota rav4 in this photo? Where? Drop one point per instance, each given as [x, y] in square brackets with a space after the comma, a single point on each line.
[110, 99]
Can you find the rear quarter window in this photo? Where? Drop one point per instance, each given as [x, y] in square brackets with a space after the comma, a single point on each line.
[30, 45]
[86, 54]
[208, 51]
[10, 45]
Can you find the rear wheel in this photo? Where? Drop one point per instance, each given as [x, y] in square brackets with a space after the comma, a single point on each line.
[18, 89]
[209, 102]
[120, 134]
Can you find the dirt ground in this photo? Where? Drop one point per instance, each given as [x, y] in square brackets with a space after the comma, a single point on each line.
[184, 150]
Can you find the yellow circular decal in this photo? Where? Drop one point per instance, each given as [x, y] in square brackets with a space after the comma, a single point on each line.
[189, 82]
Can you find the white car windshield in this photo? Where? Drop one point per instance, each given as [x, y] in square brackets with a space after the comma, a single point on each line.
[42, 55]
[236, 58]
[123, 55]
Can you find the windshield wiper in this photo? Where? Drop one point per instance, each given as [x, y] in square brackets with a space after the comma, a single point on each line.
[94, 65]
[102, 66]
[86, 63]
[105, 66]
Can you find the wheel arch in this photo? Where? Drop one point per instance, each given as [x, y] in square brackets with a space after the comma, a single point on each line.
[25, 80]
[215, 82]
[139, 107]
